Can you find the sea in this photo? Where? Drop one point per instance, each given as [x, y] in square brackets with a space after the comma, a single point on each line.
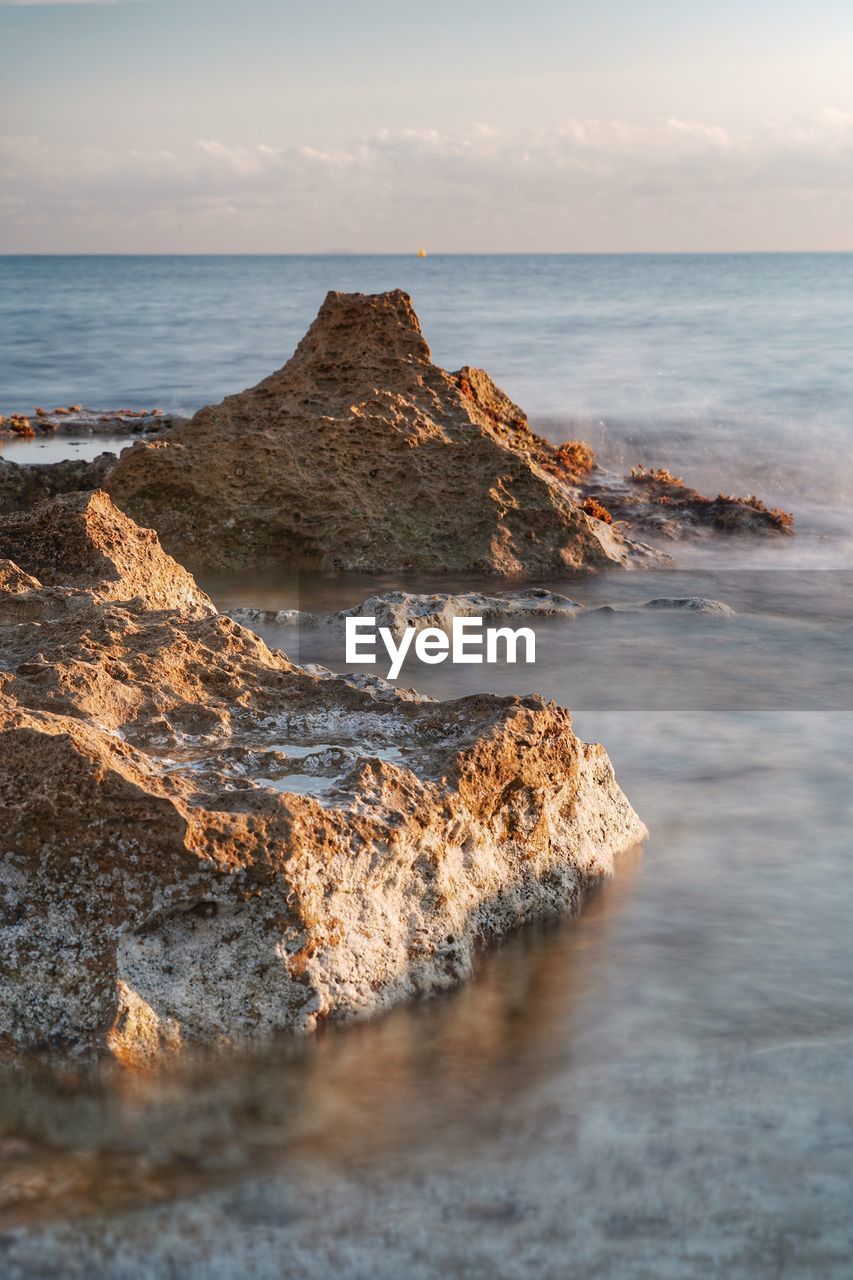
[659, 1087]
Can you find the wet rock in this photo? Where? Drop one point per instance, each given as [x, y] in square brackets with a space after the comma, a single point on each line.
[74, 420]
[203, 841]
[361, 454]
[692, 604]
[19, 425]
[249, 617]
[398, 610]
[656, 503]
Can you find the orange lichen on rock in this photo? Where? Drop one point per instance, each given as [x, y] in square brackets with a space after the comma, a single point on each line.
[574, 459]
[653, 500]
[593, 508]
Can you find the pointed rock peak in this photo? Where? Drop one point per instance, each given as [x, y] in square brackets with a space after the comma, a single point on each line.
[83, 540]
[13, 580]
[364, 331]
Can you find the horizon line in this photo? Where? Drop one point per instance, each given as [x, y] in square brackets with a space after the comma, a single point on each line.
[445, 253]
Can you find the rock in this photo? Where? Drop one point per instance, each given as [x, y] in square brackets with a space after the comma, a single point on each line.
[361, 454]
[276, 617]
[204, 842]
[23, 487]
[692, 604]
[81, 538]
[20, 425]
[75, 421]
[655, 502]
[398, 610]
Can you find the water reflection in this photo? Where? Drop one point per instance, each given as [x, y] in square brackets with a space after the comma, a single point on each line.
[60, 447]
[440, 1072]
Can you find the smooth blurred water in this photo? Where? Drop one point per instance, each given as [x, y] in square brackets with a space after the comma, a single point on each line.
[660, 1088]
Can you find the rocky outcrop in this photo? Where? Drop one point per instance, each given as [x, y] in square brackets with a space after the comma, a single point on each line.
[361, 454]
[398, 610]
[204, 842]
[654, 503]
[82, 539]
[23, 487]
[74, 420]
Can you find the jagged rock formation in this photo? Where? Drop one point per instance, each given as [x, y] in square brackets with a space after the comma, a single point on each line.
[361, 454]
[657, 504]
[203, 841]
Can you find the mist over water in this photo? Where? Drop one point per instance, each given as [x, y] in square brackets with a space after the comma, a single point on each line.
[662, 1085]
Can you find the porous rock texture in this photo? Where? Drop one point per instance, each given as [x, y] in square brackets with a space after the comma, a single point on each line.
[361, 454]
[205, 842]
[25, 486]
[653, 502]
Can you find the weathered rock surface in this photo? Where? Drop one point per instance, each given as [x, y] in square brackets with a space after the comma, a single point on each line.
[23, 487]
[657, 504]
[398, 610]
[361, 454]
[202, 841]
[75, 420]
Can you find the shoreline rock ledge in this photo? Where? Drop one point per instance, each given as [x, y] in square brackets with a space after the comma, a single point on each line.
[203, 842]
[360, 454]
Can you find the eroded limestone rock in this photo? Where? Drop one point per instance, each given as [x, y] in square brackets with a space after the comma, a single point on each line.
[24, 486]
[398, 610]
[205, 842]
[654, 503]
[361, 454]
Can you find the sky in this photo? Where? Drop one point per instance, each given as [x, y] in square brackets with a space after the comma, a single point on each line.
[268, 126]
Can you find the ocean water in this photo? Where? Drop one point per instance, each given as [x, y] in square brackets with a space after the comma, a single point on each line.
[660, 1087]
[733, 369]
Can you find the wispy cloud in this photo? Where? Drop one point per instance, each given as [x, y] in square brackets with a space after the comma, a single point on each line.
[588, 184]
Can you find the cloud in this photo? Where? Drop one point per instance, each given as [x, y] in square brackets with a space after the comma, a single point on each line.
[586, 184]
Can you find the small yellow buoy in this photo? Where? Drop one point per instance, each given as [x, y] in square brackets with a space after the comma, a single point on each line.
[422, 253]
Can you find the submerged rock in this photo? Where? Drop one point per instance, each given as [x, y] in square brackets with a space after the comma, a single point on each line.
[361, 454]
[398, 610]
[692, 604]
[205, 842]
[655, 503]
